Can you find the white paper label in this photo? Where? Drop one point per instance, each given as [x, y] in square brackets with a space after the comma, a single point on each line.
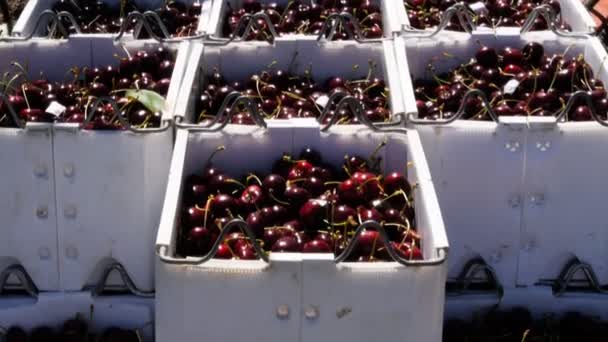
[478, 7]
[55, 108]
[322, 101]
[510, 86]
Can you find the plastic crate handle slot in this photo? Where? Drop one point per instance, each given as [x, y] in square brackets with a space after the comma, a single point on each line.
[581, 94]
[331, 25]
[389, 248]
[413, 118]
[550, 17]
[26, 283]
[356, 107]
[234, 224]
[163, 127]
[459, 10]
[565, 282]
[101, 286]
[461, 285]
[55, 22]
[231, 101]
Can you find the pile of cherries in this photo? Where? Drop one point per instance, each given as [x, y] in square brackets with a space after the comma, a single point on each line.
[73, 330]
[306, 17]
[424, 14]
[282, 95]
[304, 205]
[95, 16]
[149, 70]
[524, 82]
[517, 324]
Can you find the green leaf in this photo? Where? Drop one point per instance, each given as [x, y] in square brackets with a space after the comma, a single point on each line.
[152, 100]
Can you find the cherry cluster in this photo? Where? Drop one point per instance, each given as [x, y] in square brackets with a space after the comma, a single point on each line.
[524, 82]
[424, 14]
[73, 330]
[306, 17]
[32, 99]
[95, 16]
[304, 205]
[517, 325]
[282, 95]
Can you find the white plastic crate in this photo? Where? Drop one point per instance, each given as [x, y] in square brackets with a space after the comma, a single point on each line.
[327, 60]
[477, 166]
[390, 20]
[110, 186]
[26, 23]
[565, 172]
[298, 297]
[493, 180]
[572, 11]
[27, 212]
[23, 305]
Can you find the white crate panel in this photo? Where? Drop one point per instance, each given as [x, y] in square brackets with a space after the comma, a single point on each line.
[26, 180]
[201, 303]
[476, 176]
[357, 303]
[570, 176]
[116, 189]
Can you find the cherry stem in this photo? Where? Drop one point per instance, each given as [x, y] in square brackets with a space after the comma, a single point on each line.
[371, 255]
[378, 148]
[257, 87]
[207, 205]
[369, 180]
[271, 194]
[9, 84]
[292, 95]
[397, 193]
[22, 69]
[525, 335]
[25, 96]
[346, 169]
[253, 176]
[405, 226]
[234, 181]
[295, 181]
[332, 182]
[407, 233]
[217, 150]
[230, 249]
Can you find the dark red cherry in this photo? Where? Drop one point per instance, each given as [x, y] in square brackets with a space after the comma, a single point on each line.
[286, 244]
[316, 246]
[313, 213]
[487, 57]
